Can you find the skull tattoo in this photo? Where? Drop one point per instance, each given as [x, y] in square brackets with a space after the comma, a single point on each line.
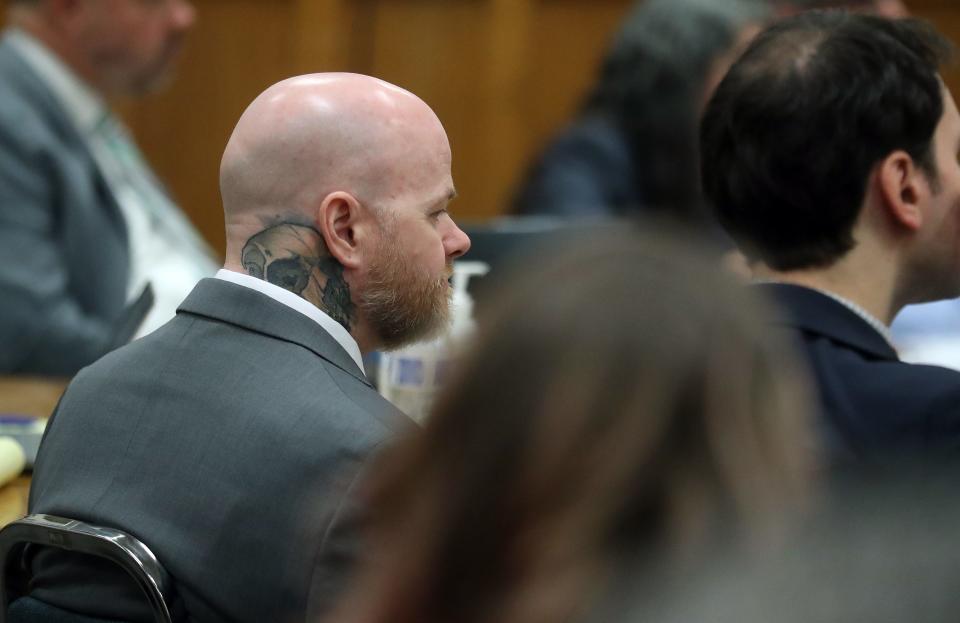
[294, 258]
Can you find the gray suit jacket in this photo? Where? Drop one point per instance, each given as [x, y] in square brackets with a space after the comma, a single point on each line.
[63, 241]
[229, 442]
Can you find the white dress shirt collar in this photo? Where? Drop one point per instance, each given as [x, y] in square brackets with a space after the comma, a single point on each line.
[82, 104]
[331, 326]
[864, 315]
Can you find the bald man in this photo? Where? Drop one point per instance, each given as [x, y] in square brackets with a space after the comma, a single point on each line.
[85, 227]
[230, 440]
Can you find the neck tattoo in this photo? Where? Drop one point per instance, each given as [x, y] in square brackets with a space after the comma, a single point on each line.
[294, 257]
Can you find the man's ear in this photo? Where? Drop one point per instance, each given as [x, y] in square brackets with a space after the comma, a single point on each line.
[342, 221]
[904, 189]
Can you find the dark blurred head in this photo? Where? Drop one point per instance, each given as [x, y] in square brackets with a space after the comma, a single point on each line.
[665, 50]
[794, 130]
[654, 79]
[619, 400]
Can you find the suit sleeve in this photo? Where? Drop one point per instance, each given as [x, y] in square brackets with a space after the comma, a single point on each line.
[563, 185]
[342, 549]
[42, 328]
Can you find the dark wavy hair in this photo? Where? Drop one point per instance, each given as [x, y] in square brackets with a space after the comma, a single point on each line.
[792, 133]
[651, 85]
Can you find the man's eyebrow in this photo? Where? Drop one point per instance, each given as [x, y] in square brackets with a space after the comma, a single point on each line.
[450, 196]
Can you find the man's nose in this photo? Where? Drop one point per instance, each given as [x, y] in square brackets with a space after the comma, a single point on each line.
[456, 242]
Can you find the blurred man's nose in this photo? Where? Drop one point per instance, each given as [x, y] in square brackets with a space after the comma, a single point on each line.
[456, 242]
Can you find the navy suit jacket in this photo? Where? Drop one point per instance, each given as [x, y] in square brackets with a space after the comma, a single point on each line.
[586, 171]
[873, 403]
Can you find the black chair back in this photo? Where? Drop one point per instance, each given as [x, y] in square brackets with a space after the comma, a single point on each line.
[124, 550]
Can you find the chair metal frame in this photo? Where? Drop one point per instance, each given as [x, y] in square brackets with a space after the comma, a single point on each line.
[117, 546]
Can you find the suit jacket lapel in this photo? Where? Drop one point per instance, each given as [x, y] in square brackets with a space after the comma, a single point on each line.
[254, 311]
[814, 312]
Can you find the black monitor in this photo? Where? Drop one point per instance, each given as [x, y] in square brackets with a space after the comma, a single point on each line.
[502, 243]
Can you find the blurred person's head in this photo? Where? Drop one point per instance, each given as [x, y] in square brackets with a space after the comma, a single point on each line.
[335, 187]
[619, 399]
[654, 79]
[119, 47]
[833, 142]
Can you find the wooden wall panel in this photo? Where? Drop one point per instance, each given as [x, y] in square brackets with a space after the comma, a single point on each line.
[562, 66]
[946, 15]
[438, 50]
[560, 70]
[238, 48]
[503, 75]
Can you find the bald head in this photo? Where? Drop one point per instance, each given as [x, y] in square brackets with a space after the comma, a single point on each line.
[309, 136]
[335, 187]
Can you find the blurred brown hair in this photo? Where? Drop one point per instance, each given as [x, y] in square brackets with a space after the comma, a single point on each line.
[620, 399]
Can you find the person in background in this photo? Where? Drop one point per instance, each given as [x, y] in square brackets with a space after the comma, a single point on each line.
[230, 439]
[619, 400]
[85, 227]
[632, 148]
[829, 154]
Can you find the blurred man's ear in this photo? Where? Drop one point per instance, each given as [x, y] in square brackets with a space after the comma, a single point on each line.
[903, 188]
[346, 225]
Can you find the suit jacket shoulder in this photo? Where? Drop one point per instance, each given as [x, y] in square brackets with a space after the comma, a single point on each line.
[871, 401]
[585, 171]
[227, 440]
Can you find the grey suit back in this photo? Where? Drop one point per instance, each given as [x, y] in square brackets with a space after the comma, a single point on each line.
[227, 441]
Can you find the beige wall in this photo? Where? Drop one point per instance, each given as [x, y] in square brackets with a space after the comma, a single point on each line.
[501, 74]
